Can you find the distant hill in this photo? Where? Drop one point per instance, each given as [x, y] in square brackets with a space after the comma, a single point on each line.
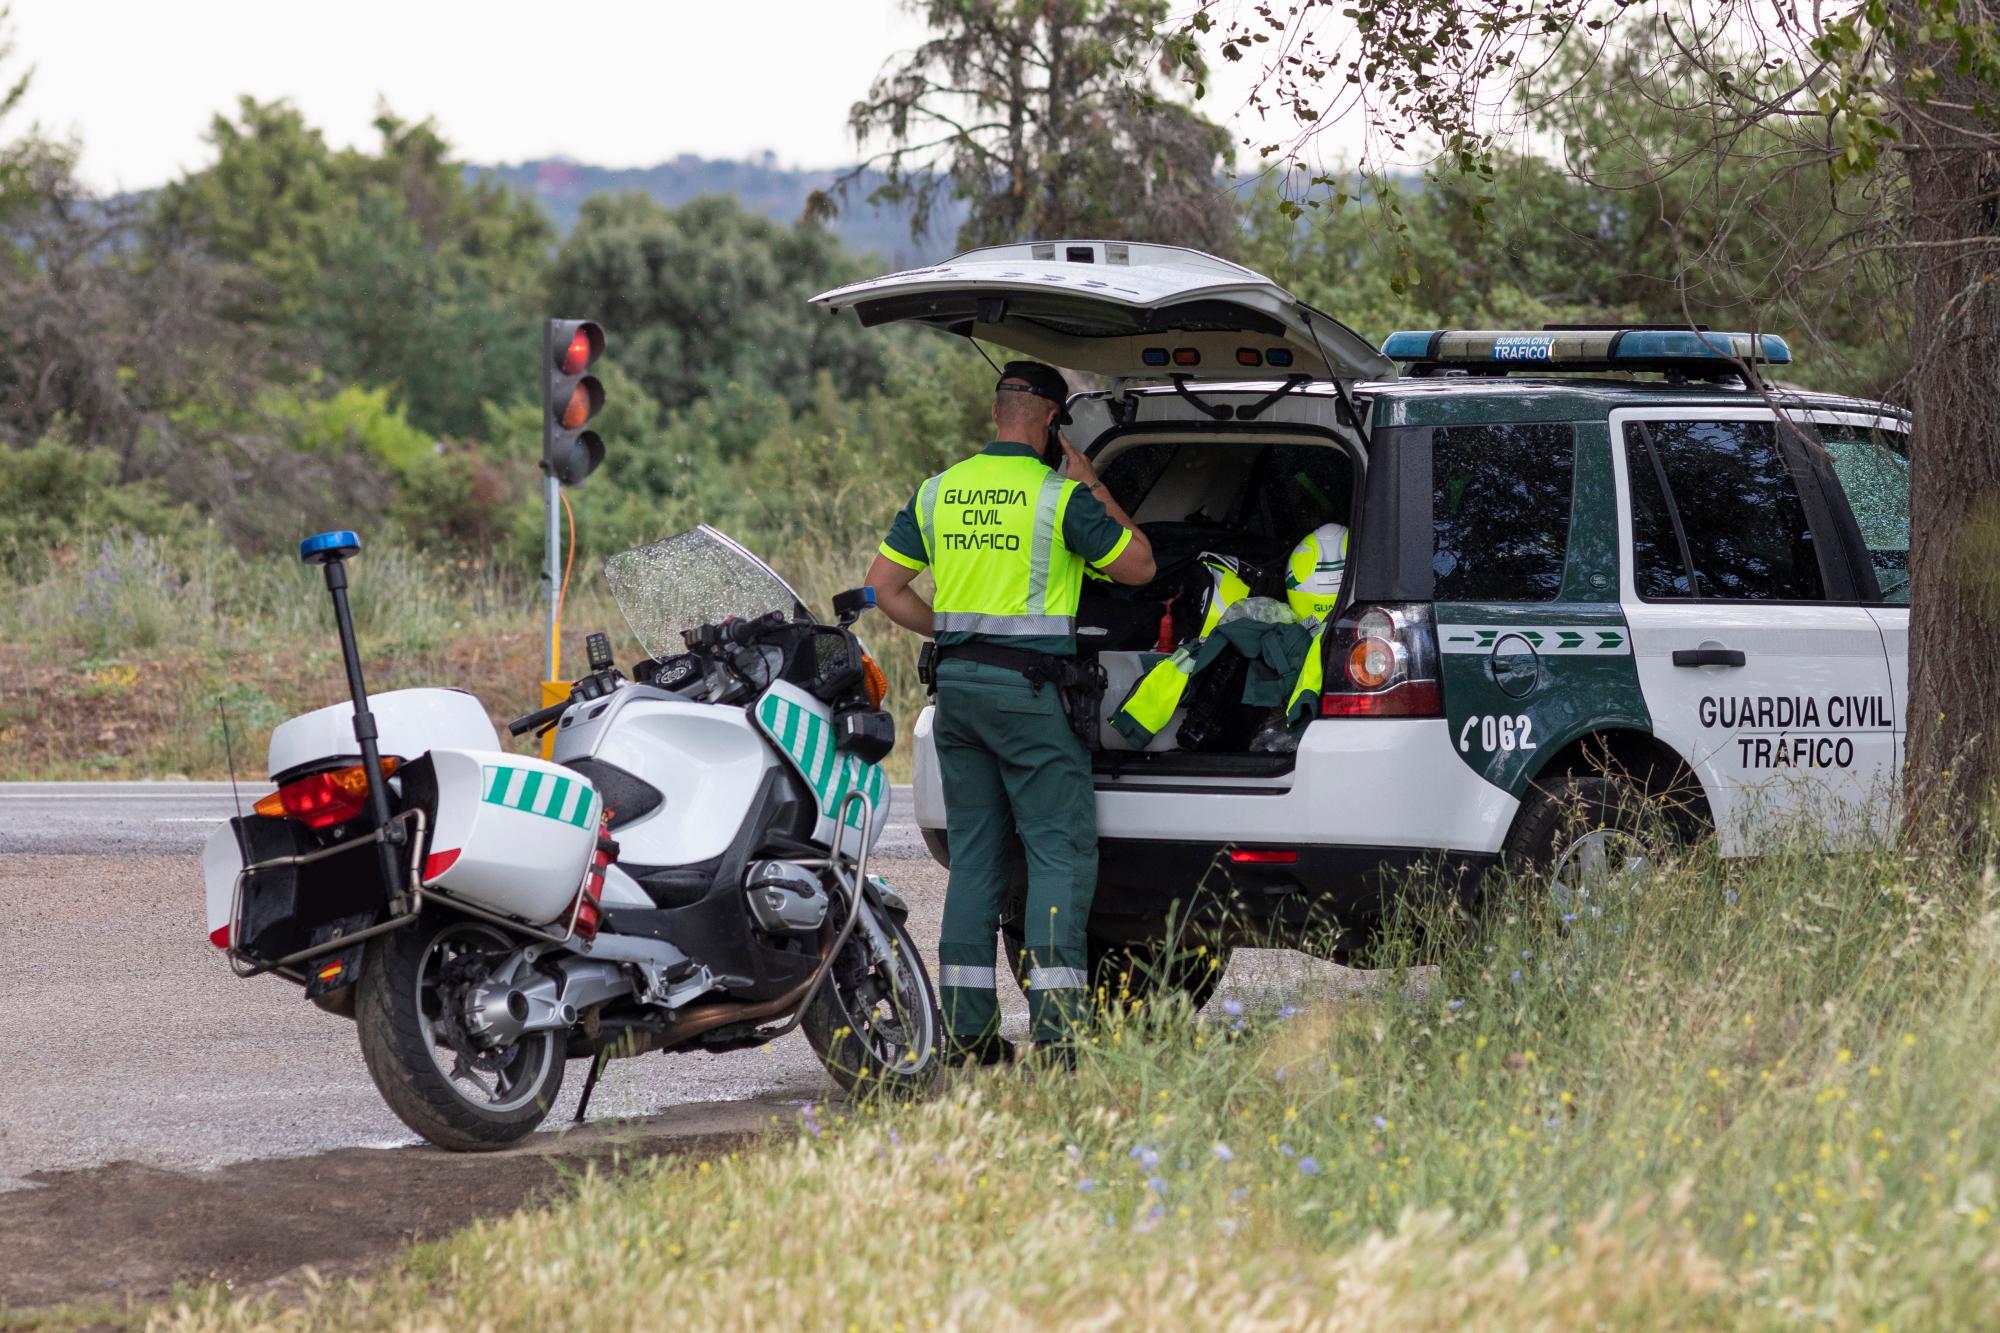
[777, 192]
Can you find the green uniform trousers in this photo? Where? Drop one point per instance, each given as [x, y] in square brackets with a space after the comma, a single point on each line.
[1011, 765]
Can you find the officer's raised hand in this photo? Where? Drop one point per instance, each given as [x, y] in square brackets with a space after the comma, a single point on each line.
[1134, 564]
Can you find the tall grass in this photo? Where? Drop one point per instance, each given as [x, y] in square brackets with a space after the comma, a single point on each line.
[1736, 1095]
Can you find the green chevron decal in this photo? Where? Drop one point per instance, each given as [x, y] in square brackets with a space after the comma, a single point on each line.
[1549, 639]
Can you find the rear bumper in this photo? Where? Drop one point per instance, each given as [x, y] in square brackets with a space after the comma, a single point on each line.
[1357, 784]
[1328, 896]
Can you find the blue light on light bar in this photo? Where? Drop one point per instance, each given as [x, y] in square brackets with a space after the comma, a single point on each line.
[1154, 356]
[1604, 349]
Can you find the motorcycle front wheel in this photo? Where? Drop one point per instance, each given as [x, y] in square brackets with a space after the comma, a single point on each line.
[874, 1023]
[410, 1010]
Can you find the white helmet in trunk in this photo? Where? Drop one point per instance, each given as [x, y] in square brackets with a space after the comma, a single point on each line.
[1314, 573]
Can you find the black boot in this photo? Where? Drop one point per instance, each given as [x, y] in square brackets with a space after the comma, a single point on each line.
[991, 1049]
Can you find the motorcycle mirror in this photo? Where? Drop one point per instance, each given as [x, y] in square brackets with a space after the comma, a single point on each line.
[848, 606]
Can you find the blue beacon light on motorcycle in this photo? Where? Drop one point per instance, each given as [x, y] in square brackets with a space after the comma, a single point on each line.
[325, 546]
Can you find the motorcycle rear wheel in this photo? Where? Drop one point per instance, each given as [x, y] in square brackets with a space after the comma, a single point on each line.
[874, 1024]
[436, 1080]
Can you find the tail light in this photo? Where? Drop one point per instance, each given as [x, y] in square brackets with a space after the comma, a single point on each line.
[590, 904]
[321, 800]
[1382, 661]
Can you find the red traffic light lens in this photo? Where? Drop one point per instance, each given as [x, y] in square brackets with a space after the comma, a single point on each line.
[585, 345]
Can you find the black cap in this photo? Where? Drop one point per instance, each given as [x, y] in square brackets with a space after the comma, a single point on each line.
[1041, 381]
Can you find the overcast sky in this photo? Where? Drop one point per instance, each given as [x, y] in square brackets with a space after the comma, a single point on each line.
[617, 82]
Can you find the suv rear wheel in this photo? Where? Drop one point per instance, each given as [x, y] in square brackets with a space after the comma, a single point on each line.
[1583, 837]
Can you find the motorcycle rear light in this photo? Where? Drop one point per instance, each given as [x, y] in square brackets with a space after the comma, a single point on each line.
[219, 937]
[438, 862]
[1263, 856]
[321, 800]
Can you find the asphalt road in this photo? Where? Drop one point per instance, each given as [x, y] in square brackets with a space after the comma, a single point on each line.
[124, 1037]
[162, 817]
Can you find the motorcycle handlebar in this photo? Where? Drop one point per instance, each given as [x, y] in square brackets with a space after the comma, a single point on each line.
[537, 720]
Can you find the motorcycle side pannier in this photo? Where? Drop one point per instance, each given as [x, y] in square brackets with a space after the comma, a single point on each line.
[513, 835]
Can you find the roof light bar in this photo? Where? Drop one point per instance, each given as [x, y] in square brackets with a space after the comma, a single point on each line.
[1582, 349]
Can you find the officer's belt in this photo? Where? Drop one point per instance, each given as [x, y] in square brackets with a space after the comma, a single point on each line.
[1039, 668]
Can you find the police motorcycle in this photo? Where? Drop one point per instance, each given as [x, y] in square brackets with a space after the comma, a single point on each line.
[687, 871]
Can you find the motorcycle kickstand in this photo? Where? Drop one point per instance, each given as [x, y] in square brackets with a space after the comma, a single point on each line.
[598, 1059]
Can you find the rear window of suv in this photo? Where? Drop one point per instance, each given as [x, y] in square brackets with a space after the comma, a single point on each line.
[1500, 505]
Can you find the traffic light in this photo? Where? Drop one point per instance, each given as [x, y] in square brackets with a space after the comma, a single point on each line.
[570, 398]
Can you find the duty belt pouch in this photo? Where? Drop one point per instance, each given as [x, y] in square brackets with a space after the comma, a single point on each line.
[1081, 689]
[927, 665]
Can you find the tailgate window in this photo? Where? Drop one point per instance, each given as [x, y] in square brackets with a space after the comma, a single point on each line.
[1500, 505]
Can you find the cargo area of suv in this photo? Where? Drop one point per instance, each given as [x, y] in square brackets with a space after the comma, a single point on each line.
[1246, 490]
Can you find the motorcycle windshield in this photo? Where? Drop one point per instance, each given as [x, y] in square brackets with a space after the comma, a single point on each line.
[697, 577]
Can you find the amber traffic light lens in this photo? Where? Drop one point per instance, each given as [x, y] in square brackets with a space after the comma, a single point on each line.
[577, 410]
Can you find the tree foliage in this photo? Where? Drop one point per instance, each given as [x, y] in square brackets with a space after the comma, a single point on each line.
[711, 294]
[1036, 115]
[385, 267]
[1824, 167]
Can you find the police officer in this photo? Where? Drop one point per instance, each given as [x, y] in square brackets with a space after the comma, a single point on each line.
[1006, 540]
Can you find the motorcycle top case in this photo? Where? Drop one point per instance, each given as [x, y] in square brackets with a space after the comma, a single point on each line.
[513, 835]
[409, 722]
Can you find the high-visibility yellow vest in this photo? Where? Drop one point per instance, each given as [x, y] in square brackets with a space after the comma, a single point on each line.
[992, 527]
[1152, 702]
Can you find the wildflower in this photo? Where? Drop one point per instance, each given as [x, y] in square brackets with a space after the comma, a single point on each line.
[1156, 1184]
[1280, 1075]
[1729, 896]
[1456, 1004]
[1288, 1150]
[1222, 1153]
[1085, 1186]
[1515, 975]
[1288, 1011]
[1232, 1007]
[1146, 1157]
[1237, 1026]
[1239, 1194]
[1381, 1123]
[1844, 1055]
[1308, 1166]
[1525, 955]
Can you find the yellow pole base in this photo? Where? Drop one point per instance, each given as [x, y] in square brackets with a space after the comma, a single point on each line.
[553, 692]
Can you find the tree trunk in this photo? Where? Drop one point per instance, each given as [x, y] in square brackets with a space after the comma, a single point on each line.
[1953, 223]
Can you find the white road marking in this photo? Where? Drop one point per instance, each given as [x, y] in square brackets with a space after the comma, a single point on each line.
[194, 819]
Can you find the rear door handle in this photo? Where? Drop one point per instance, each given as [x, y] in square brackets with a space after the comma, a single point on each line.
[1701, 657]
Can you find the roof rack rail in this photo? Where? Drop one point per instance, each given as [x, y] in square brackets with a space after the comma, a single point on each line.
[1678, 352]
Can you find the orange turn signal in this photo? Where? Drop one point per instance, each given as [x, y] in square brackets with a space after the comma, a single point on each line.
[873, 682]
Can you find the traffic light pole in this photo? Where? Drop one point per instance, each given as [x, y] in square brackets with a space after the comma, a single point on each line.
[551, 564]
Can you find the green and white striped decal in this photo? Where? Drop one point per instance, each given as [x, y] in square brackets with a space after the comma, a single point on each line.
[567, 800]
[1561, 640]
[805, 734]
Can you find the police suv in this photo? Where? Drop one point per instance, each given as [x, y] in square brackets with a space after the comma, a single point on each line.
[1593, 574]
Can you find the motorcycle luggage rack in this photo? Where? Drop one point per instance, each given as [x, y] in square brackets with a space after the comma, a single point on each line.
[239, 957]
[415, 817]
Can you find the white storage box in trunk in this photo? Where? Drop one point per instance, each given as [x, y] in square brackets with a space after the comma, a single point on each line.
[514, 835]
